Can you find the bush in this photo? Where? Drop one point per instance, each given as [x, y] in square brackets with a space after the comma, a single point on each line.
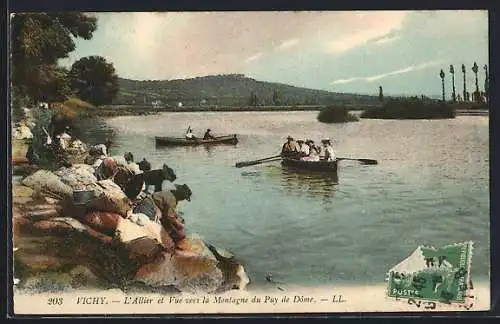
[336, 114]
[411, 109]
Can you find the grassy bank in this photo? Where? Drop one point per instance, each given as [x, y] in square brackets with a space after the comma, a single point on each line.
[411, 110]
[336, 114]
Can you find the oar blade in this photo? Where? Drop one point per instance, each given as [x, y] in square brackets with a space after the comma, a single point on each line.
[363, 161]
[368, 161]
[249, 163]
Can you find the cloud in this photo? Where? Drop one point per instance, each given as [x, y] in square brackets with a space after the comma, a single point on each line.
[301, 48]
[254, 57]
[369, 27]
[384, 75]
[161, 45]
[385, 40]
[288, 43]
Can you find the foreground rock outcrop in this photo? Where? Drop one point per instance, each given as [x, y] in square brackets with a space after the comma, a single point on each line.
[48, 241]
[62, 243]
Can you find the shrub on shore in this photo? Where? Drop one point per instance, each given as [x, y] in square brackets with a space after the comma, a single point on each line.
[336, 114]
[411, 110]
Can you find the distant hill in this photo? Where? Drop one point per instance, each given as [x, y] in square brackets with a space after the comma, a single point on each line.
[228, 90]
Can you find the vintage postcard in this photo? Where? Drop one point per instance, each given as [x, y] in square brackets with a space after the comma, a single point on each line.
[250, 162]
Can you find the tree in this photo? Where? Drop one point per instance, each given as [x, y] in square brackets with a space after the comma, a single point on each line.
[465, 83]
[39, 40]
[94, 80]
[441, 74]
[276, 98]
[453, 95]
[253, 101]
[380, 94]
[475, 96]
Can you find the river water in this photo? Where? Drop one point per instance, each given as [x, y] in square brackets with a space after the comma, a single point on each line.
[431, 187]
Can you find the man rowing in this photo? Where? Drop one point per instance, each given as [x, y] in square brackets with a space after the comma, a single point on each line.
[290, 149]
[208, 135]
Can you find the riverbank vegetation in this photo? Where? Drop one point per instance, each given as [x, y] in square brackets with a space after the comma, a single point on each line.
[411, 109]
[39, 41]
[336, 114]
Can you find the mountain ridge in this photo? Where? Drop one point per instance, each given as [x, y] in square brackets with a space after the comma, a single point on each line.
[228, 90]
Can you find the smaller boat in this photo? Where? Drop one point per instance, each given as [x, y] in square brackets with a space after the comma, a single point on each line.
[180, 141]
[316, 166]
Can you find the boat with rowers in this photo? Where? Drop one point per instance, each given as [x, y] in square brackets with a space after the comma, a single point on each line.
[182, 141]
[315, 166]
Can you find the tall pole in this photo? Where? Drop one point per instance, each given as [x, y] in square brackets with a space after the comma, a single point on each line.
[465, 83]
[486, 81]
[453, 94]
[441, 74]
[476, 94]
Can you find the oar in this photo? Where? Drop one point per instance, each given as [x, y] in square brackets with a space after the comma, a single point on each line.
[364, 161]
[248, 163]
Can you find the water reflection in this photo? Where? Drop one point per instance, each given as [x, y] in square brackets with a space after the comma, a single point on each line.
[209, 149]
[306, 184]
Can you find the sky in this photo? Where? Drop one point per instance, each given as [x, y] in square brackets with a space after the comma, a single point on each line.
[339, 51]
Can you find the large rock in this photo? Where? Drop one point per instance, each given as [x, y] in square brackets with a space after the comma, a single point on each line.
[195, 267]
[77, 176]
[109, 197]
[48, 183]
[48, 242]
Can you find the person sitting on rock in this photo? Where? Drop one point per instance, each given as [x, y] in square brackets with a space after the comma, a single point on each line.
[149, 178]
[32, 156]
[144, 165]
[129, 157]
[166, 202]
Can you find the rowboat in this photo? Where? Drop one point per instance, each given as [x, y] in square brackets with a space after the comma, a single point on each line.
[180, 141]
[316, 166]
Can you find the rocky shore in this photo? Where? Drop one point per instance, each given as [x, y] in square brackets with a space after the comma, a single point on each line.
[60, 243]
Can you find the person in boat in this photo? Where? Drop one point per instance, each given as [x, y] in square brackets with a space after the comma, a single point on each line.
[313, 152]
[189, 134]
[290, 149]
[329, 153]
[208, 135]
[303, 148]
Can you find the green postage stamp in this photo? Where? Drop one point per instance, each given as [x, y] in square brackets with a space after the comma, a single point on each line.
[434, 274]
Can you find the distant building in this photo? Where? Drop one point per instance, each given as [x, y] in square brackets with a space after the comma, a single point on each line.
[179, 104]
